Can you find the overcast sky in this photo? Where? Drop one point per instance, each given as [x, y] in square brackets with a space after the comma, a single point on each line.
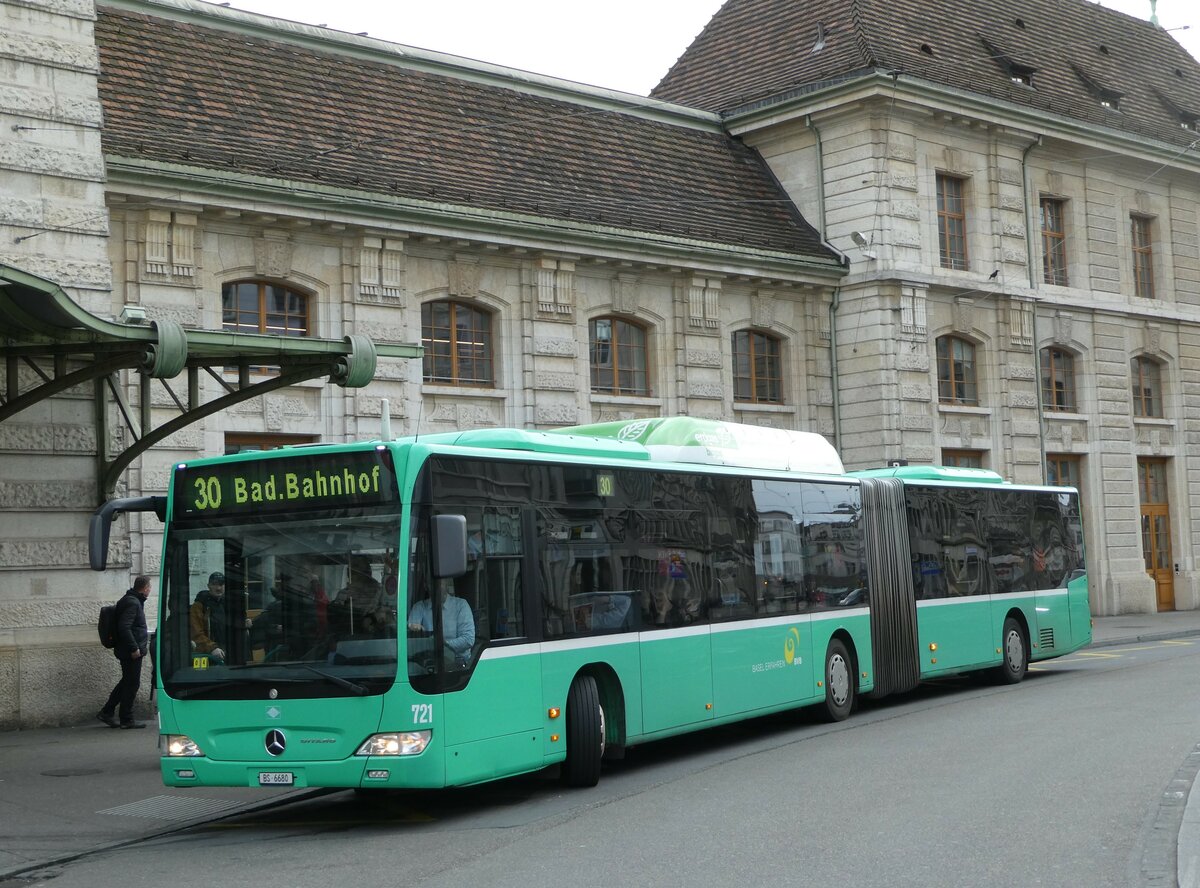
[619, 44]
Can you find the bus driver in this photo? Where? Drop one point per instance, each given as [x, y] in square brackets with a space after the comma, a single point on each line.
[458, 624]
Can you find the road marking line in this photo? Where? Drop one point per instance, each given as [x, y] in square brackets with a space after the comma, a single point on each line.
[1098, 655]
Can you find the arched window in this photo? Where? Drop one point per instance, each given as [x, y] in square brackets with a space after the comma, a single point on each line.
[1146, 375]
[263, 307]
[1058, 380]
[757, 368]
[956, 371]
[617, 355]
[458, 344]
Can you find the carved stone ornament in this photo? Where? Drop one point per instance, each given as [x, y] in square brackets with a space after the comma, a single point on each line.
[272, 258]
[762, 310]
[1153, 339]
[1062, 328]
[964, 315]
[465, 275]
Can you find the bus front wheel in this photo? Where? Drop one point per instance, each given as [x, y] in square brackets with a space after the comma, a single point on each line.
[1016, 653]
[585, 733]
[839, 681]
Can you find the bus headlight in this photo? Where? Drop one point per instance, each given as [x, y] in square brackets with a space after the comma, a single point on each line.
[178, 745]
[402, 743]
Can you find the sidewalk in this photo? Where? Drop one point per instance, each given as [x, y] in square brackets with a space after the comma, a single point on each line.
[70, 791]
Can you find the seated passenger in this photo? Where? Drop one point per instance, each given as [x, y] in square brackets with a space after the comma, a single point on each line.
[609, 611]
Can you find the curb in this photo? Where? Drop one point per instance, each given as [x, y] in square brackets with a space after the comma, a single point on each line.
[1148, 636]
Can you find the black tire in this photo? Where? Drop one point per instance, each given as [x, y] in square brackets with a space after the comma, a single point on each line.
[840, 686]
[585, 733]
[1015, 650]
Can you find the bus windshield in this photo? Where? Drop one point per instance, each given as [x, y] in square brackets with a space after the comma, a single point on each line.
[300, 606]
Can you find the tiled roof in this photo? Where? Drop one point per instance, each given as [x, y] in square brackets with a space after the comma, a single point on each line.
[238, 100]
[753, 50]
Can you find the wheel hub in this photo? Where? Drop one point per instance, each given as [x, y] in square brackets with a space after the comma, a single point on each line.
[839, 680]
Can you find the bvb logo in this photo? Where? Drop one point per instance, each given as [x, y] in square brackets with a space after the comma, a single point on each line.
[789, 646]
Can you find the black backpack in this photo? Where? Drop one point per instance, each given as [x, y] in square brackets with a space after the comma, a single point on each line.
[106, 625]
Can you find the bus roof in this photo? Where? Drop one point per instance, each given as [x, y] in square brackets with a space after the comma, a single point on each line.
[934, 473]
[687, 439]
[536, 442]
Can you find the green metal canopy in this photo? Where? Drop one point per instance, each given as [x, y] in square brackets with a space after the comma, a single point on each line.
[42, 328]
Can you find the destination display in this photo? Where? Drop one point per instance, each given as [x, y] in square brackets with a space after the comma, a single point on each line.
[271, 485]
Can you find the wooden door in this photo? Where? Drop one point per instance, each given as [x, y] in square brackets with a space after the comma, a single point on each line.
[1156, 529]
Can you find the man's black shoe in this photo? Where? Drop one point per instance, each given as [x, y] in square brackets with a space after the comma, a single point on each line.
[127, 725]
[110, 720]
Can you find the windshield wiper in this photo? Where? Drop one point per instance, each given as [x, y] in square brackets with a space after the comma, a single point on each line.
[192, 690]
[336, 679]
[300, 664]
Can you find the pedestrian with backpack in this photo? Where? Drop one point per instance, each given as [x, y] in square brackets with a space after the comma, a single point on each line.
[131, 645]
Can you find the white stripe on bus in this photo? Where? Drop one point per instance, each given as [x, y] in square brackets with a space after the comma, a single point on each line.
[595, 641]
[996, 597]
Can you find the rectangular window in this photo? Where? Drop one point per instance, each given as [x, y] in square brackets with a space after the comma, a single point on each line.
[956, 371]
[240, 442]
[1143, 256]
[1058, 380]
[963, 459]
[1054, 242]
[952, 221]
[1062, 470]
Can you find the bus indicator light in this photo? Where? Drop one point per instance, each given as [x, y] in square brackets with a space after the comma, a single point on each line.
[554, 738]
[554, 712]
[933, 645]
[708, 706]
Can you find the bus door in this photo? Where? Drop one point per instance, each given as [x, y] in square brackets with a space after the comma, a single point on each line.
[677, 681]
[954, 625]
[677, 686]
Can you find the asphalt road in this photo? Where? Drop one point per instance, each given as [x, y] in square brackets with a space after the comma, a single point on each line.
[1059, 781]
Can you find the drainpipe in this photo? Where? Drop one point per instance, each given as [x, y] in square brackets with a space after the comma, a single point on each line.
[837, 291]
[1030, 221]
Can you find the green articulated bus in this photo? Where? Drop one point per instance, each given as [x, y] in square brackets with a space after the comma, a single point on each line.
[448, 609]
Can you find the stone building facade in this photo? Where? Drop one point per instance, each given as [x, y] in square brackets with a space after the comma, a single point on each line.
[411, 196]
[1019, 198]
[686, 240]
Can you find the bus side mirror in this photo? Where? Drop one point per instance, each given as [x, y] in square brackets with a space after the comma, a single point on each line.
[449, 545]
[101, 523]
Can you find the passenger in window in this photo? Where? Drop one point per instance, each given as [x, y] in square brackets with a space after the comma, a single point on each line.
[207, 620]
[458, 625]
[358, 605]
[610, 611]
[285, 629]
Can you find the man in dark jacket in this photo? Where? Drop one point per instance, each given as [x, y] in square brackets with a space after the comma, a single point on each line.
[131, 647]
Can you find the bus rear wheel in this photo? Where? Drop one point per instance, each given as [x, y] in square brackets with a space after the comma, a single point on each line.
[839, 682]
[585, 733]
[1016, 653]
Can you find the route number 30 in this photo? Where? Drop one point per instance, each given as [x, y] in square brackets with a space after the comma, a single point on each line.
[208, 493]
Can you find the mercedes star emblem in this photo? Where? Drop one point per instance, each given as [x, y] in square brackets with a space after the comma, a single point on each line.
[276, 743]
